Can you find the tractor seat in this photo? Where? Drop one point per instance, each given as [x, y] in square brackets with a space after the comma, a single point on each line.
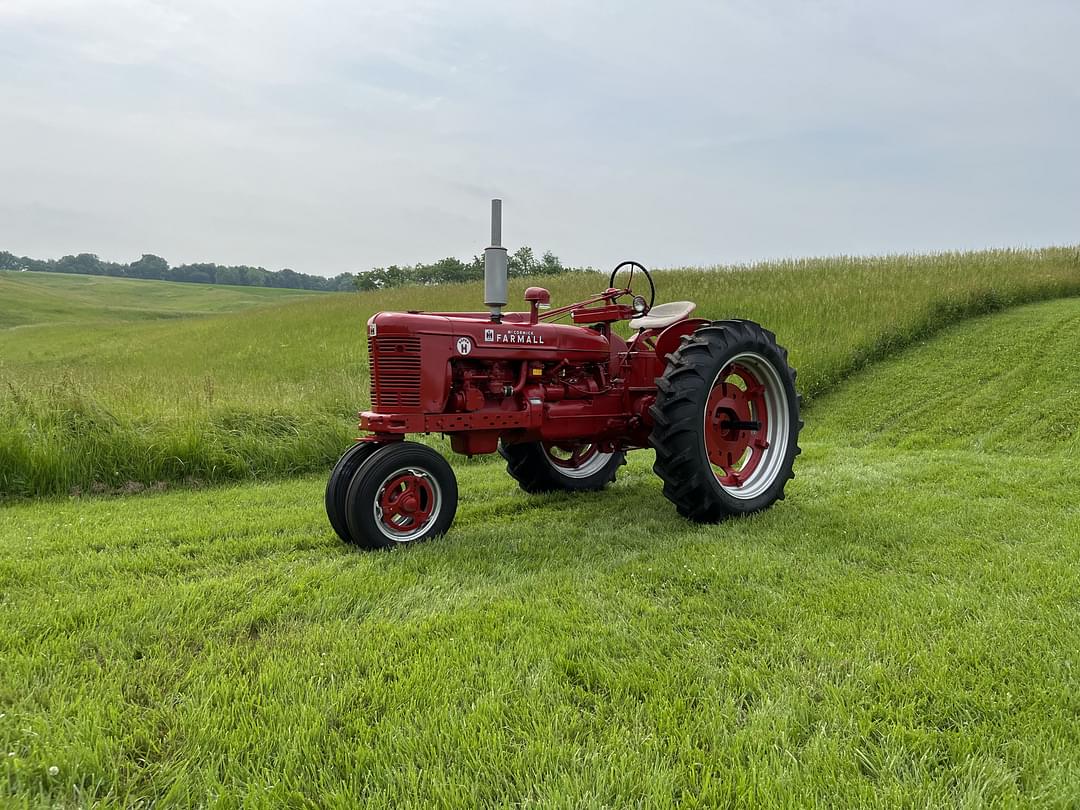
[664, 315]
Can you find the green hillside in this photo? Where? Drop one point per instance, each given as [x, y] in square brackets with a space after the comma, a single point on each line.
[273, 390]
[901, 631]
[1010, 384]
[33, 299]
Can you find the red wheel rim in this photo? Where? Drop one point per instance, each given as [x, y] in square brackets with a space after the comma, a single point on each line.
[406, 503]
[579, 454]
[736, 425]
[576, 459]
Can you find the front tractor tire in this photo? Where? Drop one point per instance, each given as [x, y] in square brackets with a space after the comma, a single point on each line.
[541, 467]
[401, 494]
[726, 422]
[337, 486]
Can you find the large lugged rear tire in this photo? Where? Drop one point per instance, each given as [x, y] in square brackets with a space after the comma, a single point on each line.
[581, 467]
[726, 422]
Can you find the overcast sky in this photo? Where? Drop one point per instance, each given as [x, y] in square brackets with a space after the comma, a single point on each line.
[331, 135]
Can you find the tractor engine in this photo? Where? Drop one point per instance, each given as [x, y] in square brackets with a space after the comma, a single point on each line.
[476, 380]
[477, 385]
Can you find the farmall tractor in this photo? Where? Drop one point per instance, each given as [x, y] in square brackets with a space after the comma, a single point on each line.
[563, 403]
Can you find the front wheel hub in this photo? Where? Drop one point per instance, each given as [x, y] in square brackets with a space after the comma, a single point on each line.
[408, 500]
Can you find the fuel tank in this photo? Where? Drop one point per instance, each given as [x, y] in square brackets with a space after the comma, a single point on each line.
[410, 352]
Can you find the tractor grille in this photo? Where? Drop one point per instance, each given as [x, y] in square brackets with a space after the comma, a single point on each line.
[395, 372]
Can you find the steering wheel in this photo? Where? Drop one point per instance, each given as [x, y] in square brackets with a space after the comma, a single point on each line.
[634, 266]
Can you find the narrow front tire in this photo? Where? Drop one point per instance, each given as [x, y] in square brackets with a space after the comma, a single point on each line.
[403, 494]
[337, 486]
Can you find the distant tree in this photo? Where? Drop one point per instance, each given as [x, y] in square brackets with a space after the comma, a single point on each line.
[85, 263]
[394, 276]
[228, 275]
[522, 263]
[9, 261]
[287, 279]
[366, 282]
[148, 266]
[254, 276]
[550, 264]
[194, 273]
[343, 282]
[447, 271]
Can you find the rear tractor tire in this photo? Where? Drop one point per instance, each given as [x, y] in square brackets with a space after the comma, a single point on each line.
[574, 467]
[402, 494]
[726, 422]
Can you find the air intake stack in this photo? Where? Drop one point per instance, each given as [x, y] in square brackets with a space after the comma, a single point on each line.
[495, 266]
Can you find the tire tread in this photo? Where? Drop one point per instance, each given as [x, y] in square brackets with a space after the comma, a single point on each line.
[688, 483]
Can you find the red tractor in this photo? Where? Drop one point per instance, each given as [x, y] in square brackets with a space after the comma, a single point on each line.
[563, 403]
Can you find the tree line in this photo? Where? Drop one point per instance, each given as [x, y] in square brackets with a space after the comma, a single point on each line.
[154, 267]
[521, 263]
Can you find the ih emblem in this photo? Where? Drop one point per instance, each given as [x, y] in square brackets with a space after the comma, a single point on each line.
[464, 345]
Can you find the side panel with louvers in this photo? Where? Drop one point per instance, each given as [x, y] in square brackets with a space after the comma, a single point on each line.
[395, 373]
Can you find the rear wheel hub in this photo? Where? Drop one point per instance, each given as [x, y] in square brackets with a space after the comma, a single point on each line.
[744, 418]
[736, 424]
[578, 460]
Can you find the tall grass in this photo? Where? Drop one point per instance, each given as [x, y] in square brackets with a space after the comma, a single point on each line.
[273, 390]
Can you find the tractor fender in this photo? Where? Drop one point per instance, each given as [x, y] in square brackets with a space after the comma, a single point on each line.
[668, 340]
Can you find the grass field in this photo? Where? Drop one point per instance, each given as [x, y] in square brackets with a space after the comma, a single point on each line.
[125, 399]
[903, 630]
[54, 299]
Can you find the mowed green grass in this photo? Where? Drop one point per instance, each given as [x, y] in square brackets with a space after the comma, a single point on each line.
[274, 390]
[902, 630]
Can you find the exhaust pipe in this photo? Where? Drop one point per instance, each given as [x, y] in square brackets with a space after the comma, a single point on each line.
[495, 266]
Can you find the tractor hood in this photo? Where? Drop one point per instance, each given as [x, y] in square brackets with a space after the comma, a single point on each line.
[475, 336]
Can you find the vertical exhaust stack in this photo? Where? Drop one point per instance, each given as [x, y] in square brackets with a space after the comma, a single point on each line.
[495, 266]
